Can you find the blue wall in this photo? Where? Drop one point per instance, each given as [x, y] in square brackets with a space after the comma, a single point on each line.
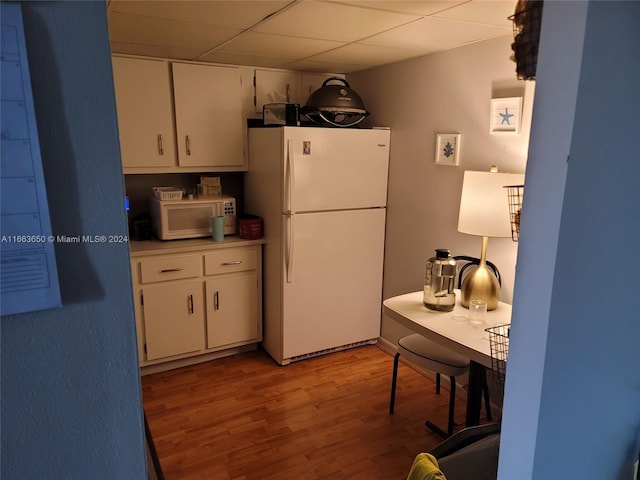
[572, 399]
[71, 401]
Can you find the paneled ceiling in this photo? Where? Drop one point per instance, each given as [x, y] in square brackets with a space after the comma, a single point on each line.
[311, 35]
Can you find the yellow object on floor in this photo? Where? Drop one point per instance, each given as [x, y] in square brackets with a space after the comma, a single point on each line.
[425, 467]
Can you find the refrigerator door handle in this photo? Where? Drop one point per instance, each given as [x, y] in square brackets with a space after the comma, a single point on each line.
[289, 235]
[290, 179]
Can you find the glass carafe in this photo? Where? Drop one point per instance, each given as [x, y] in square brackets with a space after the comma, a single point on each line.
[439, 282]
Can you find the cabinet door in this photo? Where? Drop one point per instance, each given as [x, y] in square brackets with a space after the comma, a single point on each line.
[208, 109]
[232, 309]
[173, 319]
[145, 112]
[276, 87]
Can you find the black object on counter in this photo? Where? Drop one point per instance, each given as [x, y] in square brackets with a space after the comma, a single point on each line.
[141, 227]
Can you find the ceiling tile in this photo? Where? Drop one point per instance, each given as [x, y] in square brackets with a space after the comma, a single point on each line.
[125, 28]
[228, 13]
[325, 67]
[488, 12]
[240, 59]
[434, 34]
[365, 55]
[416, 7]
[155, 51]
[332, 21]
[314, 35]
[262, 44]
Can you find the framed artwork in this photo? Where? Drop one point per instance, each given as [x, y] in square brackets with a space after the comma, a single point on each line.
[506, 114]
[448, 149]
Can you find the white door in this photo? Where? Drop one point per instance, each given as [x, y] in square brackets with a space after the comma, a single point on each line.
[276, 87]
[208, 115]
[232, 309]
[173, 319]
[145, 112]
[333, 280]
[335, 168]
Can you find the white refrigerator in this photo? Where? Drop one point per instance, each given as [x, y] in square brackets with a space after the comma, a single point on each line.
[322, 195]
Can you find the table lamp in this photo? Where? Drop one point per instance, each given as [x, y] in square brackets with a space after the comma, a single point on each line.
[484, 211]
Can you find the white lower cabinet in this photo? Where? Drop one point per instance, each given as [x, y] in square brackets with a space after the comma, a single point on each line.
[173, 319]
[194, 306]
[231, 309]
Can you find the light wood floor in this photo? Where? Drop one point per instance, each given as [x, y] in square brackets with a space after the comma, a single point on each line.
[245, 417]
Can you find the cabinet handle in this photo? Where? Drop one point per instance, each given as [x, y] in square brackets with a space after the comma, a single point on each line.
[160, 144]
[216, 301]
[288, 93]
[226, 264]
[187, 144]
[190, 304]
[167, 270]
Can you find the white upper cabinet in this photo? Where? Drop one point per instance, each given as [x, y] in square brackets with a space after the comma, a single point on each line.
[208, 115]
[181, 117]
[178, 117]
[145, 113]
[277, 87]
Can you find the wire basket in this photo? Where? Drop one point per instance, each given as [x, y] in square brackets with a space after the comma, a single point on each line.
[527, 20]
[167, 193]
[499, 343]
[514, 196]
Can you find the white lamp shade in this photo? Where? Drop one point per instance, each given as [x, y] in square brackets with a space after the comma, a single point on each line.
[484, 205]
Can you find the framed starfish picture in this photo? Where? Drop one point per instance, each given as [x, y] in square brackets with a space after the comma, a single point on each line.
[506, 114]
[448, 149]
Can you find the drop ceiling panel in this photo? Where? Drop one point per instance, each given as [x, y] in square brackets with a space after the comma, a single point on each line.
[160, 32]
[434, 34]
[239, 59]
[488, 12]
[365, 55]
[324, 67]
[316, 35]
[155, 51]
[417, 7]
[332, 21]
[235, 14]
[262, 44]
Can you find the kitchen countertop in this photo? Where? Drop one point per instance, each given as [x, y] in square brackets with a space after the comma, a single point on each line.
[154, 247]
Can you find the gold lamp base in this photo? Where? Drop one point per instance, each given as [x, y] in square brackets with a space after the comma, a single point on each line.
[481, 283]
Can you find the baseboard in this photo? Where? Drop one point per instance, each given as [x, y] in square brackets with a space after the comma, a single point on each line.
[386, 346]
[185, 362]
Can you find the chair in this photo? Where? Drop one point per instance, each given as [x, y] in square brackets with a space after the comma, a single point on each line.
[470, 453]
[428, 355]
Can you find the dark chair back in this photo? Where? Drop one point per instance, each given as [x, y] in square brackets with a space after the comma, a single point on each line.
[470, 453]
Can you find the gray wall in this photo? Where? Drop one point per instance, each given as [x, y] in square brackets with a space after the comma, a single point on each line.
[572, 402]
[572, 405]
[449, 91]
[71, 402]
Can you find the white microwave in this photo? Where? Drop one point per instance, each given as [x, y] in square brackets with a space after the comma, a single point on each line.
[175, 219]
